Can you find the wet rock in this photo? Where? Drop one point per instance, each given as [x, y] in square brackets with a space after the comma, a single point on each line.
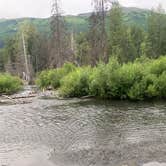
[47, 94]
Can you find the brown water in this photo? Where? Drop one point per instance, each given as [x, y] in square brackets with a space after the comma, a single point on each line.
[82, 133]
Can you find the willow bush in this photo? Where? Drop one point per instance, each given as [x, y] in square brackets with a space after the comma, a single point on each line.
[76, 83]
[9, 84]
[51, 78]
[140, 80]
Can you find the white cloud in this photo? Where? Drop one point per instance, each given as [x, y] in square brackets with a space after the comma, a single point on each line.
[143, 3]
[24, 8]
[41, 8]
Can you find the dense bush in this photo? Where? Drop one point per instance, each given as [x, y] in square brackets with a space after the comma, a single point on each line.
[9, 84]
[142, 79]
[99, 79]
[123, 78]
[76, 83]
[160, 85]
[43, 80]
[51, 78]
[143, 88]
[158, 66]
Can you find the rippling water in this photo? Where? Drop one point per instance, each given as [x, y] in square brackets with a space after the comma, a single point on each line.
[82, 133]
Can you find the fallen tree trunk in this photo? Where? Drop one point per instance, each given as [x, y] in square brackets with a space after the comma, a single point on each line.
[16, 100]
[9, 98]
[23, 97]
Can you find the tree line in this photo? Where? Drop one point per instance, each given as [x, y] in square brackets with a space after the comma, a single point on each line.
[124, 42]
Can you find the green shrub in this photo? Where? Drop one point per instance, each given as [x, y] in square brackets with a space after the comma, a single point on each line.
[100, 78]
[51, 78]
[98, 81]
[43, 80]
[143, 88]
[9, 84]
[150, 81]
[137, 91]
[76, 83]
[142, 79]
[123, 78]
[161, 85]
[158, 66]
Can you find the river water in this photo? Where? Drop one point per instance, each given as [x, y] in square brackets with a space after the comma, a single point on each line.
[51, 132]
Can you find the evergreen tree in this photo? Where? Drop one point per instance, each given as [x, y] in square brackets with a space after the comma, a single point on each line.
[137, 38]
[116, 31]
[11, 55]
[156, 33]
[124, 41]
[83, 49]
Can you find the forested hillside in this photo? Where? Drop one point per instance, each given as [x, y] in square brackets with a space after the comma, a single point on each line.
[77, 23]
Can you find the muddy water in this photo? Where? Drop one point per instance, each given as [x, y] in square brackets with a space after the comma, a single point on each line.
[82, 133]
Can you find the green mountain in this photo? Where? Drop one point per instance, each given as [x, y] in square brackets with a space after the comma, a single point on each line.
[79, 23]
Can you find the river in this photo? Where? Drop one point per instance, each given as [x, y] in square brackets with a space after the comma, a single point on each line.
[77, 132]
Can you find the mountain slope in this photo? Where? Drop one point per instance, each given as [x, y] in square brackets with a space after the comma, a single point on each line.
[77, 23]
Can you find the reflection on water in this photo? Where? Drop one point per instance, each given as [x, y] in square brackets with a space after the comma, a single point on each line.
[83, 133]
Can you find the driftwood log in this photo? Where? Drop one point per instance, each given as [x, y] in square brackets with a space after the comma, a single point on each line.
[17, 99]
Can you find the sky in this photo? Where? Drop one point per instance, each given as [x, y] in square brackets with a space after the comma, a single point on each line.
[42, 8]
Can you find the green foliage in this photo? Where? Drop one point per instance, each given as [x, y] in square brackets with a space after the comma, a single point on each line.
[11, 49]
[140, 80]
[100, 76]
[125, 42]
[9, 84]
[82, 54]
[2, 60]
[156, 33]
[32, 41]
[152, 83]
[123, 78]
[43, 80]
[98, 84]
[158, 66]
[161, 85]
[76, 83]
[51, 78]
[143, 88]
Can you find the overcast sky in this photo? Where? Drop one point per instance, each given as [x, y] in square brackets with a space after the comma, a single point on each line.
[41, 8]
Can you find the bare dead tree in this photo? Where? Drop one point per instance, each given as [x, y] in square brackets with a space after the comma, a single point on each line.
[26, 60]
[60, 38]
[101, 7]
[94, 38]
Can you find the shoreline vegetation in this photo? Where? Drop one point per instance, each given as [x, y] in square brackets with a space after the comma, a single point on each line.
[111, 60]
[9, 84]
[142, 79]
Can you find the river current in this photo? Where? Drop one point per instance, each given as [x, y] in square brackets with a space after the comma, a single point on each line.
[77, 132]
